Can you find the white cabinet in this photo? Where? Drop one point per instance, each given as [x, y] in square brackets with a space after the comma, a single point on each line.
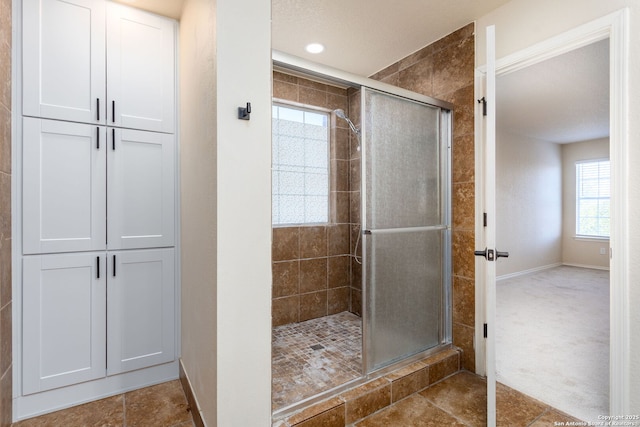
[70, 170]
[97, 201]
[64, 59]
[91, 314]
[64, 180]
[64, 320]
[140, 70]
[93, 61]
[141, 189]
[141, 313]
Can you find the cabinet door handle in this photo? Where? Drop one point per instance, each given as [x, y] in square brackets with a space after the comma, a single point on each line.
[98, 108]
[113, 111]
[113, 139]
[98, 267]
[114, 266]
[97, 137]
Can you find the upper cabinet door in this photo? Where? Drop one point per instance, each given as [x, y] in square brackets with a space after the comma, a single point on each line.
[64, 179]
[140, 70]
[141, 195]
[64, 59]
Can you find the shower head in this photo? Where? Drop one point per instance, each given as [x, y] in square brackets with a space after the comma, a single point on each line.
[340, 113]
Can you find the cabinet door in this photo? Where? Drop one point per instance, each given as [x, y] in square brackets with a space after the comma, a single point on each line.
[63, 322]
[140, 69]
[141, 309]
[141, 187]
[64, 59]
[64, 179]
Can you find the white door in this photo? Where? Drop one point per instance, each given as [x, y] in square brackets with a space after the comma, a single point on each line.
[488, 239]
[64, 59]
[63, 320]
[64, 179]
[141, 309]
[140, 69]
[141, 181]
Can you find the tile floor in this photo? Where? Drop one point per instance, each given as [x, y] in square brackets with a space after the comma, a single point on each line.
[460, 400]
[315, 356]
[162, 405]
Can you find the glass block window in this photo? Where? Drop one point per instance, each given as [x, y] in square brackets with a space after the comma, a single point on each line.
[593, 214]
[300, 166]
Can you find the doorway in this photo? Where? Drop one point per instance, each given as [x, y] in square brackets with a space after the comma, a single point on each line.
[613, 27]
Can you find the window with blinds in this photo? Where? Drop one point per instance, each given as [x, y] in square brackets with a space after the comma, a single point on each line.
[593, 212]
[300, 166]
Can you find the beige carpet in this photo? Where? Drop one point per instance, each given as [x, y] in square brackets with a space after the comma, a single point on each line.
[552, 338]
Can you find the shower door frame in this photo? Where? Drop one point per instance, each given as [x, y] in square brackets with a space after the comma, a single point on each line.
[445, 139]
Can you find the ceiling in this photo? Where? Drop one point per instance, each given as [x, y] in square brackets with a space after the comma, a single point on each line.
[365, 36]
[563, 99]
[170, 8]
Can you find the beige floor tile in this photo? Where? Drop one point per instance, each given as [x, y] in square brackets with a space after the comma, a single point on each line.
[414, 411]
[553, 418]
[463, 395]
[107, 412]
[162, 405]
[516, 409]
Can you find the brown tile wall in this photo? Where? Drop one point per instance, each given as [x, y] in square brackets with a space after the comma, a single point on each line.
[444, 70]
[5, 214]
[311, 264]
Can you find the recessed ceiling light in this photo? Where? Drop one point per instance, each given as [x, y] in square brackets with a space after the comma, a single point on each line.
[314, 48]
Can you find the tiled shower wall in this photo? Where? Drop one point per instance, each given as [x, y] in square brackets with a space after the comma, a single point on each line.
[444, 70]
[5, 214]
[311, 264]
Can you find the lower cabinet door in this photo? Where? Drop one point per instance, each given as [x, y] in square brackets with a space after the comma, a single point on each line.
[64, 320]
[140, 309]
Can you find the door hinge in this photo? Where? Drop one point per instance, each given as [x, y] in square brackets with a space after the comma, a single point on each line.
[483, 101]
[484, 219]
[485, 330]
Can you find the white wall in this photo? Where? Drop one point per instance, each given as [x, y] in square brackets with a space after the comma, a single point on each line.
[226, 209]
[244, 213]
[522, 23]
[199, 201]
[580, 252]
[528, 202]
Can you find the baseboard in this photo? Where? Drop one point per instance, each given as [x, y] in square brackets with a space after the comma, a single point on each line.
[191, 398]
[529, 271]
[547, 267]
[594, 267]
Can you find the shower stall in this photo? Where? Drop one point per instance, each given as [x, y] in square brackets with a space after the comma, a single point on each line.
[400, 200]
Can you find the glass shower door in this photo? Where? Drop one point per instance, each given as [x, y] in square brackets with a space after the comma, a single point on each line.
[405, 198]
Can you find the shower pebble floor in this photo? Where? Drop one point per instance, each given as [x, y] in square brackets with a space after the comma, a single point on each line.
[315, 356]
